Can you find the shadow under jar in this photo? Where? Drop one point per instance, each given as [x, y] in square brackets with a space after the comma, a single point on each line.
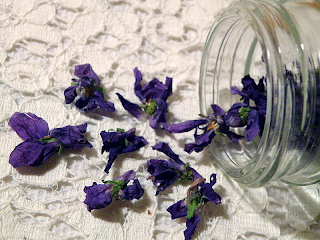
[267, 39]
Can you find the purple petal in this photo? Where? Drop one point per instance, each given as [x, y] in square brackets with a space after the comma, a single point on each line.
[207, 191]
[178, 209]
[137, 84]
[71, 136]
[85, 82]
[163, 173]
[137, 142]
[85, 70]
[186, 126]
[218, 111]
[168, 91]
[161, 117]
[32, 153]
[201, 141]
[253, 127]
[127, 176]
[132, 108]
[134, 191]
[196, 175]
[70, 93]
[113, 154]
[98, 196]
[82, 102]
[164, 148]
[232, 118]
[191, 226]
[153, 89]
[99, 98]
[117, 143]
[234, 90]
[247, 82]
[28, 126]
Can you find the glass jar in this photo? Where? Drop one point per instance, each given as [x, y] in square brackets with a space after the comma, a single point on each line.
[268, 38]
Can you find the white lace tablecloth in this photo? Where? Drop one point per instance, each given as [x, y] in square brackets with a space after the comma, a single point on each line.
[41, 41]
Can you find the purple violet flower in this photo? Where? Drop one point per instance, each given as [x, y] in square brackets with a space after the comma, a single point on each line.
[118, 142]
[40, 143]
[210, 126]
[198, 195]
[88, 89]
[153, 96]
[165, 172]
[252, 91]
[101, 195]
[253, 116]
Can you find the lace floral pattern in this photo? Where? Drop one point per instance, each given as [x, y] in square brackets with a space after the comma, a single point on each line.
[41, 43]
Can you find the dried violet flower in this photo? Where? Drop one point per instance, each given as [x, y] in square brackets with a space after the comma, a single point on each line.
[87, 91]
[165, 172]
[118, 142]
[253, 116]
[210, 126]
[40, 143]
[198, 195]
[101, 195]
[240, 114]
[153, 96]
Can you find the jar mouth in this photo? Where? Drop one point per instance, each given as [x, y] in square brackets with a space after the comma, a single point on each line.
[254, 40]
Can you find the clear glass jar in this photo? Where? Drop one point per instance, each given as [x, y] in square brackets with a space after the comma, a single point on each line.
[268, 38]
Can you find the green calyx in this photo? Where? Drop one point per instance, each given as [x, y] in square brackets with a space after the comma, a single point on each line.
[117, 185]
[119, 130]
[100, 89]
[186, 176]
[196, 201]
[150, 108]
[243, 113]
[74, 83]
[48, 139]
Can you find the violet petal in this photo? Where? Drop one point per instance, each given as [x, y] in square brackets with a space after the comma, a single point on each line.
[161, 117]
[134, 191]
[98, 196]
[113, 154]
[186, 126]
[253, 127]
[28, 126]
[132, 108]
[165, 148]
[127, 176]
[106, 105]
[217, 110]
[201, 141]
[82, 102]
[153, 89]
[163, 173]
[85, 70]
[191, 226]
[32, 153]
[137, 84]
[178, 209]
[71, 136]
[70, 94]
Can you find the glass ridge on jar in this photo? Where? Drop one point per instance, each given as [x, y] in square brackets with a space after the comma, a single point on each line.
[267, 38]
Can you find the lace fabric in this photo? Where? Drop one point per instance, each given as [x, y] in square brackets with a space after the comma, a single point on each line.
[41, 42]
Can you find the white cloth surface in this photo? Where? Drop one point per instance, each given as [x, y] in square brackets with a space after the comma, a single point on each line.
[41, 42]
